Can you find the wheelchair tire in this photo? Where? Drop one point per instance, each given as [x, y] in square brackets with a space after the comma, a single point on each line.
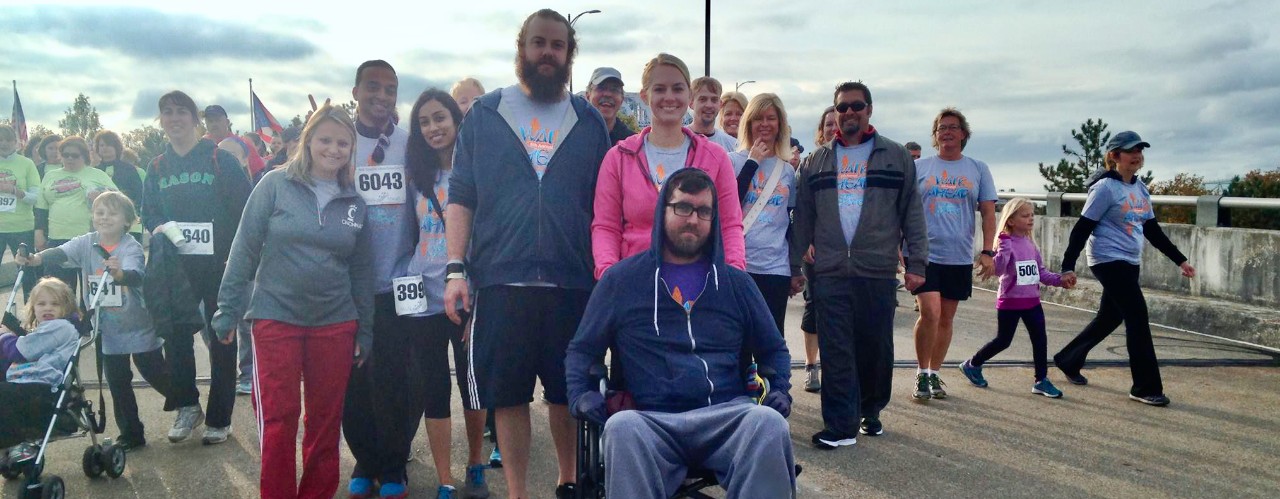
[52, 487]
[10, 472]
[91, 461]
[113, 459]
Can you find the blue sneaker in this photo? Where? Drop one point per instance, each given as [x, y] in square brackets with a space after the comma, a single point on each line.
[1044, 387]
[360, 488]
[446, 492]
[495, 458]
[475, 487]
[974, 374]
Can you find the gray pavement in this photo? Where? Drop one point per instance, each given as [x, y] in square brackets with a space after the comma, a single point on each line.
[1218, 439]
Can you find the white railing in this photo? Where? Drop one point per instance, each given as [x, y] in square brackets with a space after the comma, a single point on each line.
[1208, 207]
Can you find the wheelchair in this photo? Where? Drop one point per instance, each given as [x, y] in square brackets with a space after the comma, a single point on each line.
[590, 456]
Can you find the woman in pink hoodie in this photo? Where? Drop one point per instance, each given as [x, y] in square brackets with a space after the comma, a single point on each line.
[1021, 272]
[634, 170]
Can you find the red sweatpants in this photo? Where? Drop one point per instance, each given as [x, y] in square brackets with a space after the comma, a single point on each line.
[284, 357]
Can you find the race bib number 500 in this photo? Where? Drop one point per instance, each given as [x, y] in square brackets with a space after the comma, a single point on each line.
[199, 236]
[1028, 272]
[410, 294]
[381, 184]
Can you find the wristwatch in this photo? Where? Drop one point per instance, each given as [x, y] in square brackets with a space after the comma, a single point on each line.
[455, 270]
[989, 253]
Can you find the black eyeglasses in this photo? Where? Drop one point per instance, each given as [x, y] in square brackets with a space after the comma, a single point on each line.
[685, 209]
[855, 106]
[379, 151]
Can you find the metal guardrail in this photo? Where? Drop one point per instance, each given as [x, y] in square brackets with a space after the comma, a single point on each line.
[1208, 207]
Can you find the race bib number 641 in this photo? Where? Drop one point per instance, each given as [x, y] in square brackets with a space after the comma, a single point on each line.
[381, 184]
[110, 292]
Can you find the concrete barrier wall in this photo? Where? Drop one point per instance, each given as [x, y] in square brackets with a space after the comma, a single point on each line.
[1240, 265]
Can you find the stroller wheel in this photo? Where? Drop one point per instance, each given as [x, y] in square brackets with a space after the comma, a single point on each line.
[8, 470]
[52, 488]
[33, 470]
[113, 459]
[92, 460]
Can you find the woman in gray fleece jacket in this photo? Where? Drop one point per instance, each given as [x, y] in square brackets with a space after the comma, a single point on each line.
[300, 269]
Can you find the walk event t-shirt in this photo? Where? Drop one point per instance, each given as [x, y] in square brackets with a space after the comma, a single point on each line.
[540, 126]
[1120, 210]
[389, 226]
[766, 242]
[723, 140]
[851, 183]
[685, 282]
[951, 191]
[429, 257]
[665, 161]
[20, 173]
[63, 193]
[125, 324]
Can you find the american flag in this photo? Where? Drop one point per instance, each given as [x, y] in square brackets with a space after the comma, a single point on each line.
[18, 120]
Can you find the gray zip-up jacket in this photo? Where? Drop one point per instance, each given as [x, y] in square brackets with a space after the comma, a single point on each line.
[292, 263]
[891, 216]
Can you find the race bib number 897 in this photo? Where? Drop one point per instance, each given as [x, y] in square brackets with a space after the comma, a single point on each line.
[410, 294]
[8, 203]
[381, 184]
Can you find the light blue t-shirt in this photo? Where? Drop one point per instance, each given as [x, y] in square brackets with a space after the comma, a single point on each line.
[1120, 210]
[51, 346]
[540, 126]
[851, 184]
[430, 257]
[665, 161]
[390, 226]
[951, 191]
[123, 321]
[766, 242]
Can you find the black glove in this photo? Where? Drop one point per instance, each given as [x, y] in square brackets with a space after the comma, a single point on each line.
[778, 401]
[590, 406]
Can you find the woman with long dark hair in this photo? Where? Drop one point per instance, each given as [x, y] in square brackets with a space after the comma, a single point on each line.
[1117, 217]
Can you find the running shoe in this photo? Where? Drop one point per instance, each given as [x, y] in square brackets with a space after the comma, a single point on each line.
[935, 387]
[1044, 387]
[974, 374]
[189, 418]
[871, 426]
[922, 387]
[812, 378]
[1156, 400]
[475, 488]
[829, 439]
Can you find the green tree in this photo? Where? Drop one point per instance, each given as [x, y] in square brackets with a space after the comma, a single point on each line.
[1182, 184]
[80, 119]
[147, 142]
[1072, 173]
[296, 121]
[1255, 184]
[630, 120]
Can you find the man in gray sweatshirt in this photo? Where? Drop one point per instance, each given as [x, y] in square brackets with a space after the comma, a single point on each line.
[856, 204]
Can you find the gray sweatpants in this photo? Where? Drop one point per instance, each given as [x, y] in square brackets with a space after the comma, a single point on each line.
[747, 446]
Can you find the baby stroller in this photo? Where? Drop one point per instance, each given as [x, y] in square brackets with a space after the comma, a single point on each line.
[73, 416]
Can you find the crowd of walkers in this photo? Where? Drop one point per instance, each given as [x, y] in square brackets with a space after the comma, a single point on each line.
[474, 236]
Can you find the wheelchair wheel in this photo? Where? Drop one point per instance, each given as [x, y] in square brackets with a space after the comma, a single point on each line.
[113, 459]
[91, 461]
[9, 471]
[53, 488]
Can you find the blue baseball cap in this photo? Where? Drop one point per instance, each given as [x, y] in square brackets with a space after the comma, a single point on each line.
[1126, 140]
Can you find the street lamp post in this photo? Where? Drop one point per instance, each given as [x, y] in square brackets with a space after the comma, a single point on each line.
[573, 19]
[739, 84]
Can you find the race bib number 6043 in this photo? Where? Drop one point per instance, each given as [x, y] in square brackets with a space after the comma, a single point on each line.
[381, 184]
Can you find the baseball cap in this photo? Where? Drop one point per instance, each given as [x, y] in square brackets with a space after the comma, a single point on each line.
[215, 110]
[601, 74]
[1125, 140]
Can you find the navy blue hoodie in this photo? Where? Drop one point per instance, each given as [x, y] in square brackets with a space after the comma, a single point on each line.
[672, 361]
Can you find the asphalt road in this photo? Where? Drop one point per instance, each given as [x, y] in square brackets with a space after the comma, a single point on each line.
[1219, 438]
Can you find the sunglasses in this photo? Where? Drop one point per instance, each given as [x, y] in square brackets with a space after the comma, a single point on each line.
[686, 209]
[71, 155]
[855, 106]
[379, 151]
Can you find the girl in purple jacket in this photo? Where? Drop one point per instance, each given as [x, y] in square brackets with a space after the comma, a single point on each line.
[1021, 273]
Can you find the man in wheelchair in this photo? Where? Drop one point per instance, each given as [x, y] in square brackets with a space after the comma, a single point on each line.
[678, 321]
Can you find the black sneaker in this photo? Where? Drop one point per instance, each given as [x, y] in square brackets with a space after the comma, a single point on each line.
[567, 491]
[828, 439]
[871, 426]
[922, 387]
[1156, 400]
[1073, 375]
[128, 443]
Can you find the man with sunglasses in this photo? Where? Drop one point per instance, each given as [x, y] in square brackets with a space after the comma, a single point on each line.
[678, 320]
[856, 204]
[380, 179]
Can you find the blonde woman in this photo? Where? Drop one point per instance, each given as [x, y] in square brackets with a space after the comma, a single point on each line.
[732, 105]
[303, 229]
[465, 91]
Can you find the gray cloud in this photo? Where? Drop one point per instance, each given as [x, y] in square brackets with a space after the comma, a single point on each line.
[151, 34]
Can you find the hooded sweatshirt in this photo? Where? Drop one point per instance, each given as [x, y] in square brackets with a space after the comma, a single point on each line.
[1021, 273]
[677, 359]
[626, 195]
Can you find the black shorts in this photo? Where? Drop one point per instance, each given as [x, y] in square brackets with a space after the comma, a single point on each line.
[440, 337]
[519, 333]
[953, 282]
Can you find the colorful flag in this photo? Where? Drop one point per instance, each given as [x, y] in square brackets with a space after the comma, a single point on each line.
[18, 120]
[263, 122]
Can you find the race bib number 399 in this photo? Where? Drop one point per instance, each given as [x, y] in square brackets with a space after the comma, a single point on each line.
[410, 294]
[110, 292]
[381, 184]
[1028, 272]
[199, 236]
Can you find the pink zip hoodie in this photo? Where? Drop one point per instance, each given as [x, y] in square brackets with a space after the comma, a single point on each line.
[626, 197]
[1021, 273]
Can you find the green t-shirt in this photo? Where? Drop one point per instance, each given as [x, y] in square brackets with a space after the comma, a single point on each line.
[16, 214]
[63, 193]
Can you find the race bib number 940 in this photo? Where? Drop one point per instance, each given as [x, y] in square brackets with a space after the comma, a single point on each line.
[410, 294]
[1028, 272]
[381, 184]
[110, 292]
[199, 236]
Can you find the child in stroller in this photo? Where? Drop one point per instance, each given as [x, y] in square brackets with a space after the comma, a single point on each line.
[41, 398]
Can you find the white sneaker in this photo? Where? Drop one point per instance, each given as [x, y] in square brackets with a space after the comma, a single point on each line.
[189, 418]
[214, 435]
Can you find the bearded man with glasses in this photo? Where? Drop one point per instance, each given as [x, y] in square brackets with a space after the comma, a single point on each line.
[856, 204]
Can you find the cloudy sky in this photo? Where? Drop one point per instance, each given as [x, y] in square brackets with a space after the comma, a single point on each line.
[1199, 80]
